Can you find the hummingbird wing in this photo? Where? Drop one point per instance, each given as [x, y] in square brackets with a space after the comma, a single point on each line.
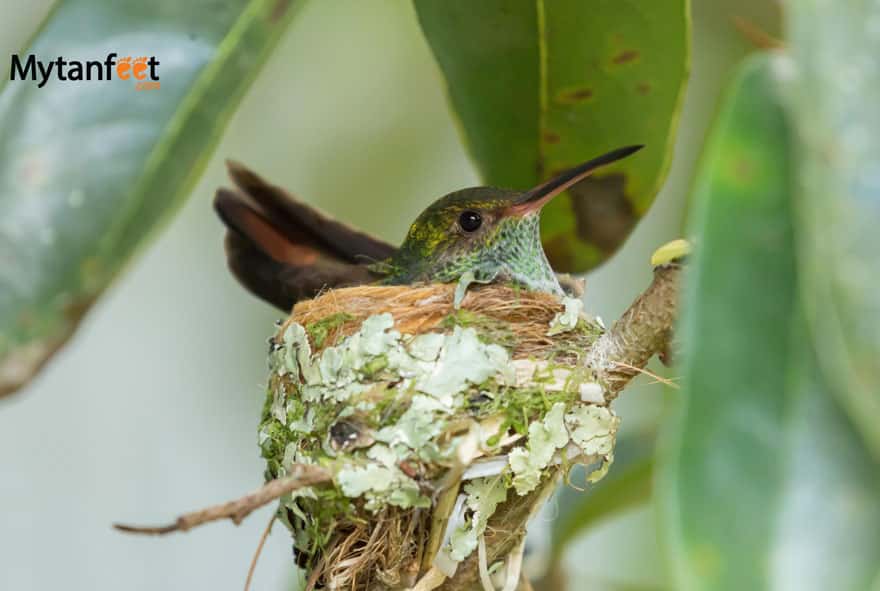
[283, 250]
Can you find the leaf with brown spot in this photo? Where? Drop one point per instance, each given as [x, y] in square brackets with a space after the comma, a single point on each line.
[570, 97]
[626, 56]
[602, 212]
[595, 75]
[80, 196]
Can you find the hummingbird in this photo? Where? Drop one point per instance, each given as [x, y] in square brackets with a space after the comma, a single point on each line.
[283, 250]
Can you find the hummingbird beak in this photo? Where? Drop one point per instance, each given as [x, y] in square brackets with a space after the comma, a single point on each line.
[536, 198]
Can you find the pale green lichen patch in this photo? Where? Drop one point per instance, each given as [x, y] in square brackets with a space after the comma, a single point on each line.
[592, 428]
[545, 437]
[381, 482]
[539, 386]
[426, 347]
[297, 360]
[417, 428]
[567, 319]
[393, 415]
[483, 495]
[464, 359]
[373, 407]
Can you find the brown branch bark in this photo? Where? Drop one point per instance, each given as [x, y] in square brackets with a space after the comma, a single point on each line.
[643, 331]
[300, 476]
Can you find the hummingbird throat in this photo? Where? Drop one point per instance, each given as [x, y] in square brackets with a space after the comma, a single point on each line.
[512, 253]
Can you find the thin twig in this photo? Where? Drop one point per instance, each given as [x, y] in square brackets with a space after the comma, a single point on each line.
[299, 476]
[263, 538]
[658, 379]
[756, 35]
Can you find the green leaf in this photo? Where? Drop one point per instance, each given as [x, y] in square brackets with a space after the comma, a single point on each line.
[828, 515]
[834, 96]
[542, 86]
[722, 474]
[762, 484]
[88, 169]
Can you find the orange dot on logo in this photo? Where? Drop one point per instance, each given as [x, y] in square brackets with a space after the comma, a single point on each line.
[139, 68]
[123, 67]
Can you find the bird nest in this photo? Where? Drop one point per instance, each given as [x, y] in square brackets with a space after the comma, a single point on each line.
[444, 428]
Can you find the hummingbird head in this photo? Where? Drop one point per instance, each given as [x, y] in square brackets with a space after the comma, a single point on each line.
[488, 231]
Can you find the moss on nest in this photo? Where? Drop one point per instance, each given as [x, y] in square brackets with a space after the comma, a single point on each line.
[429, 418]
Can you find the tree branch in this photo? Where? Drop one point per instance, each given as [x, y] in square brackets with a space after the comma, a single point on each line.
[643, 331]
[300, 476]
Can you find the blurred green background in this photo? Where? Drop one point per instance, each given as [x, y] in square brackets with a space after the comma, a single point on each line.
[152, 409]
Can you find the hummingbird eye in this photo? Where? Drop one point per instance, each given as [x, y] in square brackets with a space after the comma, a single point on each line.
[470, 221]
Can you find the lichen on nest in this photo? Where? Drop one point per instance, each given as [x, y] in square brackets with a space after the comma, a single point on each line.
[429, 417]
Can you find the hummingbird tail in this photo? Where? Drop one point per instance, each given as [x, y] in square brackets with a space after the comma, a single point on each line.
[283, 250]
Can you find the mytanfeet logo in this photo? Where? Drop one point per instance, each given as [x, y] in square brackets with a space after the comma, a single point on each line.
[143, 70]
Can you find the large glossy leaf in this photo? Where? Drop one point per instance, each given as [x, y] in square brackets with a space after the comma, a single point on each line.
[763, 484]
[827, 519]
[88, 168]
[834, 94]
[541, 86]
